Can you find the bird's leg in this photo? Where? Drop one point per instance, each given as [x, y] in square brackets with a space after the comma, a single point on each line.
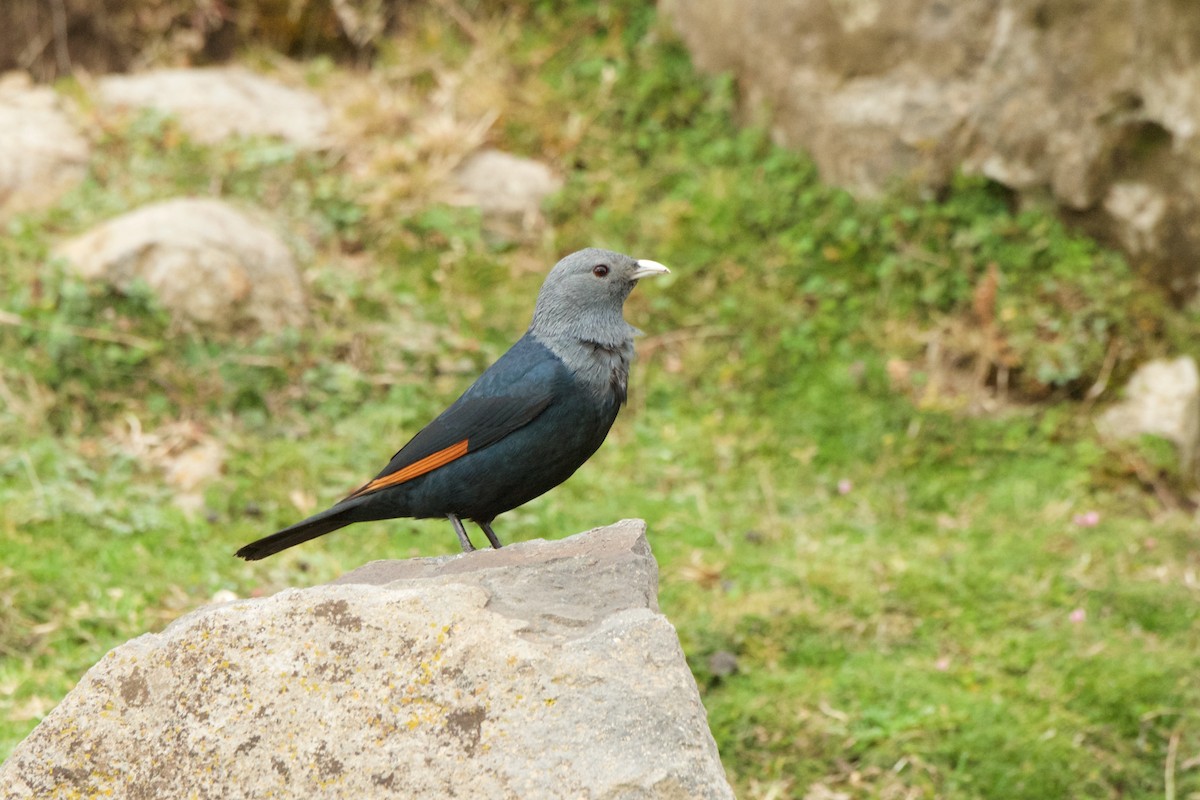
[462, 533]
[491, 534]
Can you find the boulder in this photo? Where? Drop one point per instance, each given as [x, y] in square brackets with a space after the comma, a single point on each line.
[42, 152]
[540, 670]
[1161, 399]
[211, 265]
[509, 190]
[1096, 104]
[216, 103]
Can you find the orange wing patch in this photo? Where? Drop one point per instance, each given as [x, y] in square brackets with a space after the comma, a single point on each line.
[416, 469]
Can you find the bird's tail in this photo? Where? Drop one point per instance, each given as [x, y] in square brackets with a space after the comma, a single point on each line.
[329, 520]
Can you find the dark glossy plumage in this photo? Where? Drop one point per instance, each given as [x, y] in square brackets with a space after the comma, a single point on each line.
[525, 426]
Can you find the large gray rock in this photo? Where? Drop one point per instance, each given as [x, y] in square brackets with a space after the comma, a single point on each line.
[540, 670]
[1094, 103]
[212, 266]
[42, 152]
[215, 103]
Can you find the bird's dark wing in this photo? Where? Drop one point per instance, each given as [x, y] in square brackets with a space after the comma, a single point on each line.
[469, 425]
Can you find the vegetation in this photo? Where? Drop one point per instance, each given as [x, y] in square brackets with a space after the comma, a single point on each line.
[859, 430]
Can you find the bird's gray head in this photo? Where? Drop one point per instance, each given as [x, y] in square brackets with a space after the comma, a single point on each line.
[584, 294]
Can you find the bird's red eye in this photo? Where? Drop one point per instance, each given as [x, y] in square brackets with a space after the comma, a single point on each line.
[600, 270]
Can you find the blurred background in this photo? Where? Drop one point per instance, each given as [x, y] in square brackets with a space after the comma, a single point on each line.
[914, 421]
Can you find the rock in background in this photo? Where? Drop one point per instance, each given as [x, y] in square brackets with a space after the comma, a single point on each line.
[1097, 103]
[1161, 399]
[210, 265]
[540, 670]
[509, 190]
[42, 152]
[214, 104]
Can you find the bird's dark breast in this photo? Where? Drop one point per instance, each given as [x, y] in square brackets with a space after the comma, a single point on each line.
[612, 360]
[524, 465]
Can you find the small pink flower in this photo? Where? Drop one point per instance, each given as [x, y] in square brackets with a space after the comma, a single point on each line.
[844, 486]
[942, 664]
[1078, 616]
[1088, 519]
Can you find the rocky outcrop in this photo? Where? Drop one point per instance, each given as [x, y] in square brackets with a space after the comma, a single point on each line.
[540, 670]
[216, 103]
[211, 265]
[42, 152]
[1096, 104]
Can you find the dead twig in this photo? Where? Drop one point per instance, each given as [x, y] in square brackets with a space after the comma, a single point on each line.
[1148, 475]
[95, 334]
[651, 343]
[62, 54]
[1169, 769]
[1106, 369]
[461, 18]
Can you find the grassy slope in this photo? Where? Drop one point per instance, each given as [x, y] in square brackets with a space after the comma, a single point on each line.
[913, 609]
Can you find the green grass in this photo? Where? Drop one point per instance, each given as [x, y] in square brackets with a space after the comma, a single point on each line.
[914, 609]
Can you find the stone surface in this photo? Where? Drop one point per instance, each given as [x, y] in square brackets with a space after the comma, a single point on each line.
[1096, 104]
[508, 189]
[540, 670]
[210, 264]
[42, 152]
[216, 103]
[1161, 399]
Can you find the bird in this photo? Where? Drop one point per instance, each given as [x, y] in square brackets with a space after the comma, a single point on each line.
[523, 427]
